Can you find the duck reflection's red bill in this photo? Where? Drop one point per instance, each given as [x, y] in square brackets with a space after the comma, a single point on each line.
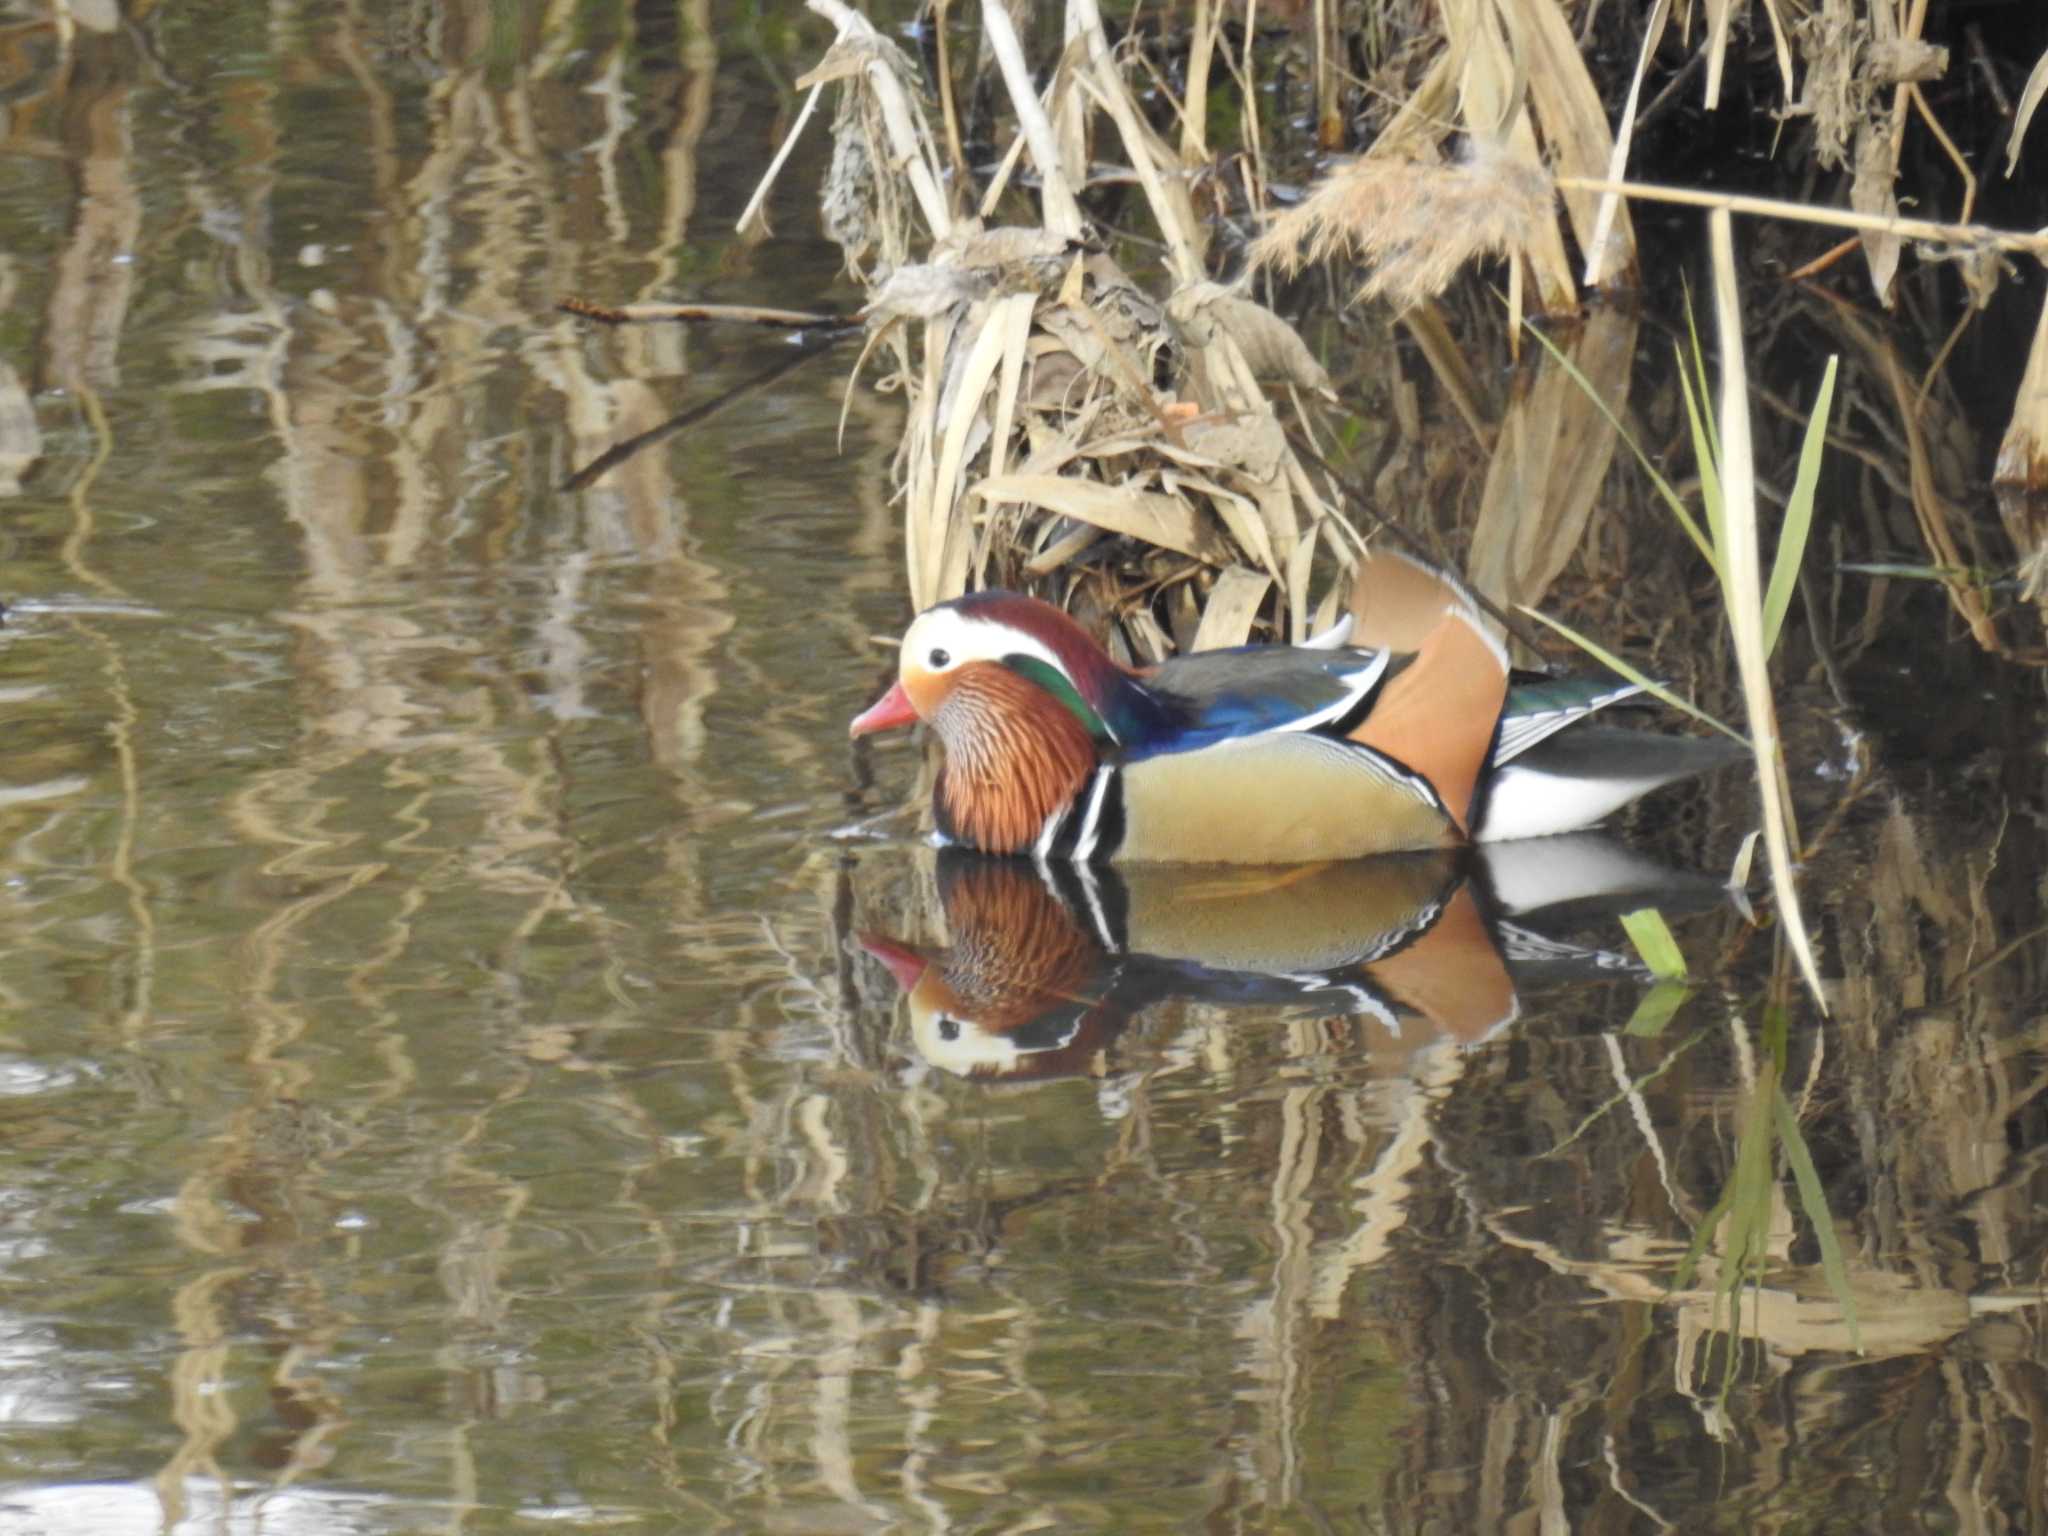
[905, 963]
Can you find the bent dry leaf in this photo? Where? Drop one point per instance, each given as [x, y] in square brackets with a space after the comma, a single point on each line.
[1146, 515]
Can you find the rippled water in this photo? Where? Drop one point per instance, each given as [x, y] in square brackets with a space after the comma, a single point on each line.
[452, 1069]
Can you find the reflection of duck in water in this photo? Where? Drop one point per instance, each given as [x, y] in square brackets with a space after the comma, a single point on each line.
[1049, 963]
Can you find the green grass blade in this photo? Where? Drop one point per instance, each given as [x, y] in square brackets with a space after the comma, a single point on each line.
[1654, 689]
[1706, 452]
[1798, 513]
[1699, 375]
[1652, 938]
[1815, 1201]
[1943, 573]
[1635, 1087]
[1688, 1267]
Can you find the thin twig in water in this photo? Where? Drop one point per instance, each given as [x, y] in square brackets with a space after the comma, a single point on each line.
[739, 314]
[618, 453]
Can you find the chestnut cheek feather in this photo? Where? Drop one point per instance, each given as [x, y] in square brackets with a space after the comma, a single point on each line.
[1014, 756]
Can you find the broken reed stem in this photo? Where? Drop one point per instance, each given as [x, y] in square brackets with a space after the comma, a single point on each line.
[1182, 242]
[1743, 593]
[752, 212]
[1194, 134]
[1062, 212]
[963, 173]
[1979, 236]
[905, 142]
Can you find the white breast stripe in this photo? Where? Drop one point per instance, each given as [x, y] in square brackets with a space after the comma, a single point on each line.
[1091, 821]
[1049, 833]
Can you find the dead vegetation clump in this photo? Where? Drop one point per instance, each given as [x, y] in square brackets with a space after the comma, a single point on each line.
[1146, 442]
[1067, 426]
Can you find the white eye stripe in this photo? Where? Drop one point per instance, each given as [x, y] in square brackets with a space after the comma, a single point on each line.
[959, 638]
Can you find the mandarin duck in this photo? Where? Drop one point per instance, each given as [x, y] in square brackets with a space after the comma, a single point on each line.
[1414, 735]
[1050, 962]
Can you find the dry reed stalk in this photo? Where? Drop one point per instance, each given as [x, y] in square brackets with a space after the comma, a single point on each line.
[1061, 159]
[1742, 577]
[1969, 237]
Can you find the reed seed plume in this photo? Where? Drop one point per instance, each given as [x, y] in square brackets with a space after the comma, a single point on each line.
[1414, 223]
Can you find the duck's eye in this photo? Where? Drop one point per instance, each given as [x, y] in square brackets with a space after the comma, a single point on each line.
[939, 658]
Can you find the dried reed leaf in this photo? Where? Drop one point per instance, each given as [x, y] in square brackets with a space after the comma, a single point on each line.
[1142, 515]
[1077, 538]
[1550, 459]
[754, 216]
[1300, 562]
[1013, 317]
[1272, 348]
[1601, 262]
[1719, 13]
[2023, 115]
[845, 60]
[886, 68]
[1415, 224]
[1239, 514]
[2023, 452]
[1871, 193]
[1150, 644]
[1158, 169]
[1566, 104]
[1232, 609]
[1898, 60]
[1195, 94]
[1015, 253]
[1780, 46]
[961, 414]
[1454, 375]
[923, 541]
[1256, 445]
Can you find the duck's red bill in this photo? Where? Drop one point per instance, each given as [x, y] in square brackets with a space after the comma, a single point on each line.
[886, 713]
[904, 963]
